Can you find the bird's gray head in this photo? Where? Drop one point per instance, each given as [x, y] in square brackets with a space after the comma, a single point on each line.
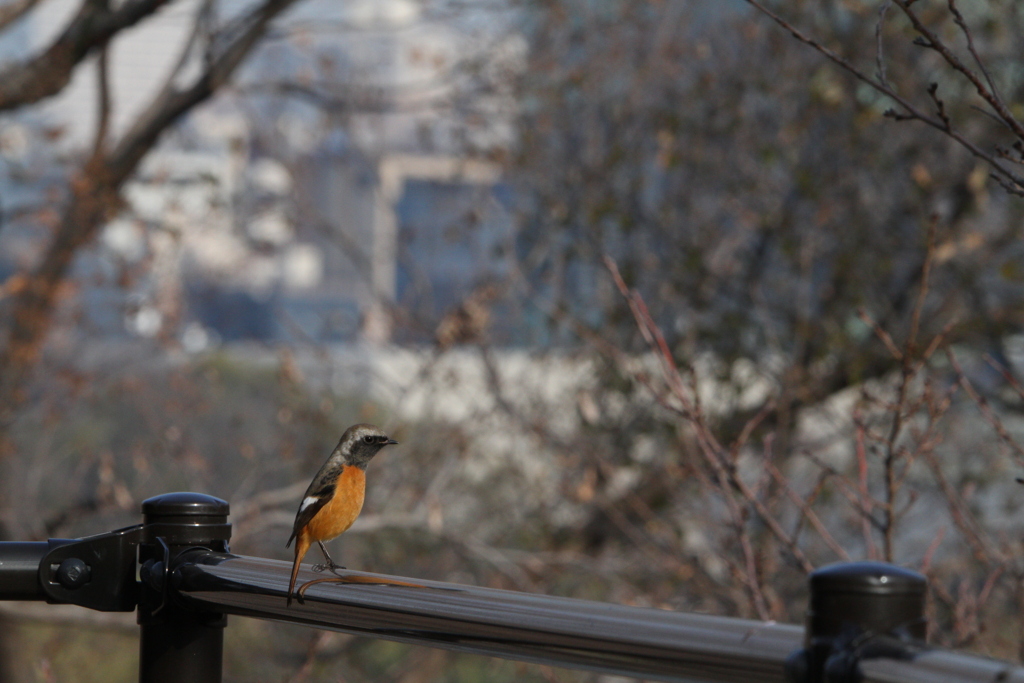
[360, 443]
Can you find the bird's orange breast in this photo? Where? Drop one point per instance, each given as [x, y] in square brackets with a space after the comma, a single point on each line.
[337, 516]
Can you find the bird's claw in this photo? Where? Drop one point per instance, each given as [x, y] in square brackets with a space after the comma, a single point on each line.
[325, 567]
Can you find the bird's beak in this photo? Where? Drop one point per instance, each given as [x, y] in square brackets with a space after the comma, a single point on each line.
[391, 442]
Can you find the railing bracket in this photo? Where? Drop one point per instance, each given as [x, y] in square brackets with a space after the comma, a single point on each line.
[97, 572]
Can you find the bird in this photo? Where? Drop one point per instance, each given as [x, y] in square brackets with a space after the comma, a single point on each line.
[335, 496]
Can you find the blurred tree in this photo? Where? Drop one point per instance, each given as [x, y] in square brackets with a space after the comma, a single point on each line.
[752, 194]
[93, 179]
[773, 213]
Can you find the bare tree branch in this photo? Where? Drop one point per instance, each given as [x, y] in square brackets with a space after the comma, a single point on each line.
[1012, 182]
[172, 102]
[49, 72]
[104, 104]
[13, 11]
[935, 43]
[200, 29]
[95, 196]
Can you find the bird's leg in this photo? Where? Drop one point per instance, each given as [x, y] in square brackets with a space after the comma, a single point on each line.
[330, 563]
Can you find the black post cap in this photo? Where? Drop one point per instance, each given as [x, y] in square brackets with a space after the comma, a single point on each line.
[186, 519]
[868, 577]
[872, 597]
[185, 504]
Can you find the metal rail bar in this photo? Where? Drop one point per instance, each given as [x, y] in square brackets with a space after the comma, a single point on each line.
[19, 570]
[631, 641]
[939, 666]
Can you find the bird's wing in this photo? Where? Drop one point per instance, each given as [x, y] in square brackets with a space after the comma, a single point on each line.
[319, 493]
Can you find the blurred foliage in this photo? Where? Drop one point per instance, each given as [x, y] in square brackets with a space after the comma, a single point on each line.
[752, 192]
[126, 431]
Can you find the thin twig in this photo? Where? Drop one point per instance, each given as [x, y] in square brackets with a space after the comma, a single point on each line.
[710, 447]
[959, 19]
[882, 335]
[12, 11]
[807, 512]
[985, 409]
[962, 516]
[1006, 374]
[926, 560]
[923, 288]
[934, 42]
[864, 500]
[1007, 178]
[103, 104]
[879, 58]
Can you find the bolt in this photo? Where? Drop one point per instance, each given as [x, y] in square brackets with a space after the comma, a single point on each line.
[73, 573]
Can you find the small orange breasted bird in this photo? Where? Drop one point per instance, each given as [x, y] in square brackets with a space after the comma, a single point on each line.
[335, 496]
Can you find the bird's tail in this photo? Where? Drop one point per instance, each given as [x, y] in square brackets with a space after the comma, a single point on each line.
[301, 546]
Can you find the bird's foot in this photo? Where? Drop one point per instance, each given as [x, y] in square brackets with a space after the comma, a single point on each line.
[329, 566]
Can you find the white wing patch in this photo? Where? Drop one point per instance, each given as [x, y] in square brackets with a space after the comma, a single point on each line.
[307, 501]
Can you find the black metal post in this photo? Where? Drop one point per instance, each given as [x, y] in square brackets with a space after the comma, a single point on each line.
[176, 643]
[859, 610]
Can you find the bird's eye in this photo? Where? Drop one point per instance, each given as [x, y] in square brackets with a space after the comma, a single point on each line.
[368, 439]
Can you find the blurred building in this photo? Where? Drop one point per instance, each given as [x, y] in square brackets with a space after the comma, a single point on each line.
[331, 195]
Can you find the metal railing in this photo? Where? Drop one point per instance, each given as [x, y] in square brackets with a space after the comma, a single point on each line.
[631, 641]
[865, 620]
